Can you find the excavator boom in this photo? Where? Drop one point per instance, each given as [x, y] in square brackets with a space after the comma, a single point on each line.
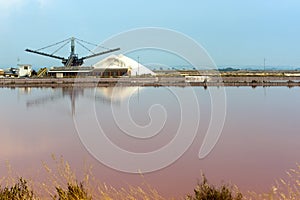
[101, 53]
[45, 54]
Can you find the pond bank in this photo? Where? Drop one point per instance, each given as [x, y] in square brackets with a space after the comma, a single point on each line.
[252, 81]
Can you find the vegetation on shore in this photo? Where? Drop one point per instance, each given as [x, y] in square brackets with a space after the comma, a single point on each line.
[205, 191]
[63, 185]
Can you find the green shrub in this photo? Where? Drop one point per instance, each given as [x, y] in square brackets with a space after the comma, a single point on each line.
[19, 191]
[73, 192]
[205, 191]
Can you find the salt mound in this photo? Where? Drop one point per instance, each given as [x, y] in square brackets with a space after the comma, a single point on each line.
[121, 61]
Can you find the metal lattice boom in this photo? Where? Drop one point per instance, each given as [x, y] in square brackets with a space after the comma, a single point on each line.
[73, 59]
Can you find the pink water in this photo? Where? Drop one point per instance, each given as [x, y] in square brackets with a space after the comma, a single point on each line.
[260, 140]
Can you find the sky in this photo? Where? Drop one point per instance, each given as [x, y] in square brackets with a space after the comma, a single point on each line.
[233, 32]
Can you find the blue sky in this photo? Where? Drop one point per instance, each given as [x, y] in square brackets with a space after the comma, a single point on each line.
[233, 32]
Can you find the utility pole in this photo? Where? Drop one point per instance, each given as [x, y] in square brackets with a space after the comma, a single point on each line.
[138, 65]
[265, 92]
[264, 74]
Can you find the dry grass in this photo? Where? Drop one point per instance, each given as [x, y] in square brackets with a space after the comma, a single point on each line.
[61, 182]
[15, 188]
[63, 176]
[288, 189]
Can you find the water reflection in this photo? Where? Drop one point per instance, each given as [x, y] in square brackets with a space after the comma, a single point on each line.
[24, 90]
[110, 95]
[68, 92]
[116, 95]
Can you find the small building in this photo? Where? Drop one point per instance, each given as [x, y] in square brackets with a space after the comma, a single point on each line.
[24, 70]
[196, 79]
[67, 72]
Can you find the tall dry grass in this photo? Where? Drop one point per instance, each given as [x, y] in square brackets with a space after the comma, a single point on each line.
[283, 189]
[62, 176]
[61, 182]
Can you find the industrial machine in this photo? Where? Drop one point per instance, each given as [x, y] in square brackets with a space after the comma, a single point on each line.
[73, 60]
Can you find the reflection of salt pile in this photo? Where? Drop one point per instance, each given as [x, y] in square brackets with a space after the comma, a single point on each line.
[123, 62]
[116, 94]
